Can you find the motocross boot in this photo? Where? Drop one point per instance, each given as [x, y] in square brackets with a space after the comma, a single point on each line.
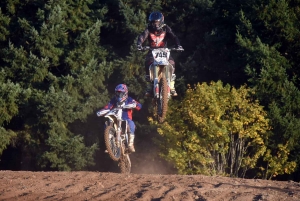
[172, 86]
[131, 143]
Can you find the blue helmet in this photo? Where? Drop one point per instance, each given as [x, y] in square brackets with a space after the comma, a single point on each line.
[156, 21]
[121, 92]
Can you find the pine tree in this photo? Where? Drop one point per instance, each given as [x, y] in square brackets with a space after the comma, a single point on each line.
[267, 42]
[54, 52]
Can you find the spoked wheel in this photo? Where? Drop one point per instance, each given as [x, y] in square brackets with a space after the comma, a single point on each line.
[125, 164]
[162, 101]
[112, 148]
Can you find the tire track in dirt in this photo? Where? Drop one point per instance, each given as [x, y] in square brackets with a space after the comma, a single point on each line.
[94, 186]
[114, 192]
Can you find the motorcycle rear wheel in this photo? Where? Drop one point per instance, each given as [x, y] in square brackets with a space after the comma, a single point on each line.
[125, 164]
[113, 150]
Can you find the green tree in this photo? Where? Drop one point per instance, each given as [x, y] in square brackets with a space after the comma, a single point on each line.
[272, 65]
[217, 129]
[54, 52]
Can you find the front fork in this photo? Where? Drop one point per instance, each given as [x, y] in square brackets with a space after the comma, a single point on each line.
[156, 88]
[121, 138]
[118, 134]
[169, 76]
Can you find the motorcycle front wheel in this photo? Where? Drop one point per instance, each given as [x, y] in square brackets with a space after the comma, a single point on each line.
[112, 147]
[162, 101]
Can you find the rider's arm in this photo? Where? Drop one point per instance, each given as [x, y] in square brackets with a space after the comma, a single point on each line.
[110, 105]
[142, 37]
[138, 105]
[130, 101]
[171, 34]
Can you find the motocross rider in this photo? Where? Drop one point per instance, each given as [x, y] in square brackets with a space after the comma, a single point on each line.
[121, 98]
[157, 33]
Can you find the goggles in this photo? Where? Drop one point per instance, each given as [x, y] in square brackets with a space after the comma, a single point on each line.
[119, 94]
[156, 24]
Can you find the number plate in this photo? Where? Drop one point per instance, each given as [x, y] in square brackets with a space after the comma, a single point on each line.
[161, 56]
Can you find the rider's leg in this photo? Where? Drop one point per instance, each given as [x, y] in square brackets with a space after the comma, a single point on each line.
[172, 83]
[149, 84]
[131, 135]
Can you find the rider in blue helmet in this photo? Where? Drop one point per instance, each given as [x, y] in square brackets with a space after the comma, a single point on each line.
[157, 33]
[121, 92]
[121, 98]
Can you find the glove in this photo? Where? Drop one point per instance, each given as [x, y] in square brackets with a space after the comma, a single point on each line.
[179, 47]
[120, 106]
[139, 48]
[130, 106]
[99, 113]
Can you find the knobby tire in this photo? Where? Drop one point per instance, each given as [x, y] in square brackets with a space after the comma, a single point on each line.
[125, 164]
[162, 102]
[110, 142]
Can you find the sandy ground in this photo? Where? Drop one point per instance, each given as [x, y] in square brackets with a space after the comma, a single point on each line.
[151, 179]
[26, 185]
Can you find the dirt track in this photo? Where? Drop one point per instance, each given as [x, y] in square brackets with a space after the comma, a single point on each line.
[23, 185]
[151, 180]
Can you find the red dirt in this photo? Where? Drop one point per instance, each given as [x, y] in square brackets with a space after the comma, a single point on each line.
[26, 185]
[151, 179]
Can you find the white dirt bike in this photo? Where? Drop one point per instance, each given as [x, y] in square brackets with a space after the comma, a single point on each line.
[116, 136]
[161, 74]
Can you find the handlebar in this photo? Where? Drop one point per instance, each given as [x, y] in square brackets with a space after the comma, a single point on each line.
[150, 48]
[128, 106]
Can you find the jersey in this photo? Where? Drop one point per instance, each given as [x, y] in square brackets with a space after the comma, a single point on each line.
[127, 113]
[157, 39]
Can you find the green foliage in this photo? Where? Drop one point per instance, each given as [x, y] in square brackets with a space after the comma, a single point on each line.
[4, 22]
[135, 19]
[132, 71]
[59, 61]
[67, 152]
[272, 67]
[6, 137]
[11, 95]
[278, 164]
[215, 129]
[55, 54]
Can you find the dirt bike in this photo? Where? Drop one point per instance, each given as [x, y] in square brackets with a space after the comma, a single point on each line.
[161, 74]
[116, 136]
